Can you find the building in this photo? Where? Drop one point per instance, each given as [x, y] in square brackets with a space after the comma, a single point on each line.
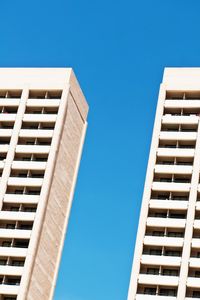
[42, 127]
[166, 262]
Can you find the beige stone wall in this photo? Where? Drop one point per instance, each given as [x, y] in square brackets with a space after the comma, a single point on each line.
[47, 258]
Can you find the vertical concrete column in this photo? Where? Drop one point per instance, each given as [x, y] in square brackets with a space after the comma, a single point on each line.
[189, 221]
[35, 235]
[13, 144]
[146, 195]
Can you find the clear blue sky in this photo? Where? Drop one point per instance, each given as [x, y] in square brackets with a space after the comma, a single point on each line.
[118, 50]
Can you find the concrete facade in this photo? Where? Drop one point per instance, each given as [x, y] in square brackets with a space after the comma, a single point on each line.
[42, 127]
[166, 264]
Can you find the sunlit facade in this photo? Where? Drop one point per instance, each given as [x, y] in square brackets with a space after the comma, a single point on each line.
[42, 127]
[166, 263]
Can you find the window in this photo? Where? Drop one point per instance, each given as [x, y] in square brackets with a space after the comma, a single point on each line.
[158, 233]
[21, 244]
[196, 294]
[168, 292]
[14, 208]
[175, 234]
[177, 216]
[25, 227]
[18, 263]
[10, 226]
[18, 192]
[168, 272]
[29, 209]
[6, 244]
[10, 93]
[197, 274]
[33, 192]
[152, 271]
[155, 252]
[172, 253]
[150, 291]
[13, 281]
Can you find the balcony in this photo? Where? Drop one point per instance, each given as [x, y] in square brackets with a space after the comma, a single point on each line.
[40, 118]
[171, 186]
[40, 149]
[13, 252]
[158, 279]
[25, 181]
[173, 169]
[11, 270]
[163, 241]
[7, 289]
[166, 222]
[22, 199]
[194, 262]
[196, 224]
[5, 132]
[17, 216]
[196, 242]
[2, 163]
[168, 204]
[35, 133]
[172, 119]
[28, 165]
[177, 135]
[4, 148]
[43, 102]
[198, 205]
[193, 282]
[9, 102]
[15, 233]
[153, 297]
[7, 117]
[175, 152]
[158, 260]
[182, 103]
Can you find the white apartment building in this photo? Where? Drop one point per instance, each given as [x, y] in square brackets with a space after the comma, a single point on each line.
[42, 127]
[166, 263]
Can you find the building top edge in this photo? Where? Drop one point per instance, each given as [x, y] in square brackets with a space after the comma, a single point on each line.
[34, 77]
[182, 76]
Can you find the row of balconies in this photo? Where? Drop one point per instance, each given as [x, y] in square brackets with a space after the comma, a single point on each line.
[178, 135]
[30, 102]
[27, 133]
[28, 117]
[33, 94]
[25, 164]
[172, 219]
[166, 134]
[26, 181]
[25, 148]
[179, 127]
[179, 204]
[153, 292]
[190, 104]
[29, 140]
[171, 177]
[29, 125]
[169, 241]
[5, 111]
[167, 280]
[176, 148]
